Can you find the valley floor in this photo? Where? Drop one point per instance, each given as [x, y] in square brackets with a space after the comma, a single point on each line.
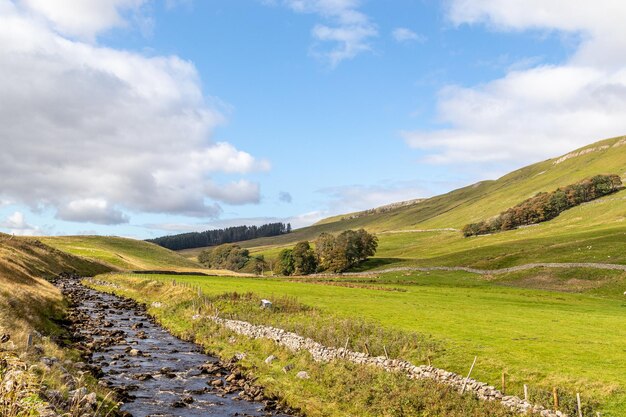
[545, 329]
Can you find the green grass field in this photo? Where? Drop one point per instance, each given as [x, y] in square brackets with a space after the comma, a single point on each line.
[574, 341]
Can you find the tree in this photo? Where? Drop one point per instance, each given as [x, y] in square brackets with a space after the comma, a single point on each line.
[231, 257]
[259, 264]
[285, 263]
[324, 246]
[337, 254]
[304, 259]
[348, 247]
[368, 244]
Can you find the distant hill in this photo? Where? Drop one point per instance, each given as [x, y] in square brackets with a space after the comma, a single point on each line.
[426, 231]
[122, 253]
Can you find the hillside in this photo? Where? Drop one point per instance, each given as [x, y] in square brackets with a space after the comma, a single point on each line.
[29, 304]
[426, 233]
[27, 300]
[121, 253]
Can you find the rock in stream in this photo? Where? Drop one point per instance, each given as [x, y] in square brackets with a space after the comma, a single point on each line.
[153, 372]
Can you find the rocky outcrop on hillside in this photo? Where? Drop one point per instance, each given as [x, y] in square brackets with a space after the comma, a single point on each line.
[383, 209]
[574, 154]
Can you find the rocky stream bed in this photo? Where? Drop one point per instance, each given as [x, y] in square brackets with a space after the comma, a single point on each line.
[153, 372]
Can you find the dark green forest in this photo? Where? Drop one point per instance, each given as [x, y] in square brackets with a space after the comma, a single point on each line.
[220, 236]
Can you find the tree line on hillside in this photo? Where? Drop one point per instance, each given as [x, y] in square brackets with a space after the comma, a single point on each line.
[328, 254]
[220, 236]
[546, 206]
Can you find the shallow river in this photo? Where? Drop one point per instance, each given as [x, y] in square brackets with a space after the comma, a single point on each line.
[162, 375]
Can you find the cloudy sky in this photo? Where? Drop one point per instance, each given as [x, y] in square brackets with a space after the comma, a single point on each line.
[141, 118]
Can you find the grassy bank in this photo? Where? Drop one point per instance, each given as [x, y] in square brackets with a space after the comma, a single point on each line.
[38, 378]
[546, 339]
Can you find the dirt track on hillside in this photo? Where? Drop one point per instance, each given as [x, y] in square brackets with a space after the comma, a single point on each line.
[616, 267]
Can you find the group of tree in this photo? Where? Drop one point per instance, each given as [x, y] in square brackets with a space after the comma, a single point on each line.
[331, 253]
[546, 206]
[220, 236]
[232, 257]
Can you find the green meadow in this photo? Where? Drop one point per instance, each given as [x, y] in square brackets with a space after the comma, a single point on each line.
[573, 341]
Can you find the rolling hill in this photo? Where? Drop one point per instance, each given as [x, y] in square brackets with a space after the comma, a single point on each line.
[27, 300]
[425, 233]
[122, 253]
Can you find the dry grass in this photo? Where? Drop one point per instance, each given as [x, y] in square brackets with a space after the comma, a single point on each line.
[32, 306]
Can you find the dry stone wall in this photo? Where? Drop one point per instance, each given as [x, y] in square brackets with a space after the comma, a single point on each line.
[591, 265]
[321, 353]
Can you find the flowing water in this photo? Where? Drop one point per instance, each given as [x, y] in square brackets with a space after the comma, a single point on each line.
[159, 374]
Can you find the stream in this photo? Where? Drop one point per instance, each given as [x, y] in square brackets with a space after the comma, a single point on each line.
[153, 372]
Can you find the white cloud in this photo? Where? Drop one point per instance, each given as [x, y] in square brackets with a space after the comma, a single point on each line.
[542, 111]
[348, 29]
[297, 221]
[85, 123]
[91, 210]
[84, 18]
[406, 35]
[306, 219]
[353, 198]
[237, 192]
[17, 225]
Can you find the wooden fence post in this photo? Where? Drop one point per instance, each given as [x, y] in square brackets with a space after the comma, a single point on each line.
[580, 408]
[468, 375]
[503, 383]
[526, 392]
[385, 349]
[555, 394]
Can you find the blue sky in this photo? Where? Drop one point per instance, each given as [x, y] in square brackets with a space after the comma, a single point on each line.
[142, 118]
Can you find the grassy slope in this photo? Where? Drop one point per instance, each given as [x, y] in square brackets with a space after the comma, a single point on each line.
[598, 224]
[122, 253]
[28, 302]
[540, 338]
